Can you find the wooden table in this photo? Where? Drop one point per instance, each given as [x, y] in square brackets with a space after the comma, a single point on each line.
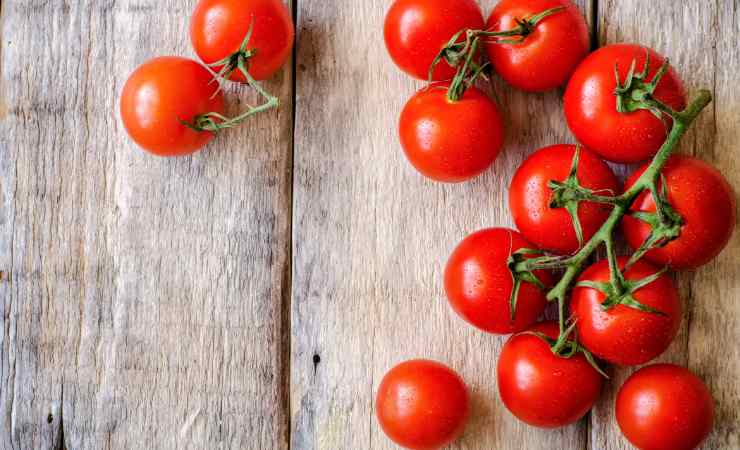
[253, 295]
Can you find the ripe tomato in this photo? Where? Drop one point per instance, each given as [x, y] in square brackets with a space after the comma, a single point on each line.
[541, 388]
[161, 93]
[451, 141]
[218, 28]
[416, 30]
[422, 405]
[706, 203]
[591, 104]
[664, 407]
[625, 335]
[479, 284]
[549, 54]
[530, 197]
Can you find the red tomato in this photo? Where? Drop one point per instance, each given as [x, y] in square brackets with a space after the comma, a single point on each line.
[218, 28]
[422, 405]
[549, 54]
[705, 201]
[159, 94]
[478, 282]
[541, 388]
[416, 30]
[664, 407]
[625, 335]
[451, 141]
[591, 105]
[530, 197]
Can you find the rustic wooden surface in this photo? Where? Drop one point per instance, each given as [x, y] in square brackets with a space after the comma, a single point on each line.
[252, 296]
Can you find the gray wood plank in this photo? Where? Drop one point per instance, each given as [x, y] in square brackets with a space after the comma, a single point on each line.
[142, 298]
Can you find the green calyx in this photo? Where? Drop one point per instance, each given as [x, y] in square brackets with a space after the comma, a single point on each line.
[564, 347]
[637, 91]
[520, 275]
[622, 292]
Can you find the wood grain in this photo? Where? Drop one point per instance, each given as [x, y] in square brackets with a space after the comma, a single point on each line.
[142, 298]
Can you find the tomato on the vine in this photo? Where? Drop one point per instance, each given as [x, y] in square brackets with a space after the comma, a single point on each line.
[219, 27]
[543, 217]
[706, 204]
[479, 284]
[590, 104]
[541, 388]
[422, 405]
[159, 96]
[416, 30]
[451, 140]
[624, 334]
[547, 53]
[664, 407]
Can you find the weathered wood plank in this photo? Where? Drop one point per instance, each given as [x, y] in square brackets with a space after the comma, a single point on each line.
[371, 237]
[694, 36]
[142, 298]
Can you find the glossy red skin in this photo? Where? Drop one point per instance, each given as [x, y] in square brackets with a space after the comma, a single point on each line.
[218, 27]
[416, 30]
[705, 201]
[478, 282]
[542, 389]
[624, 335]
[422, 405]
[158, 94]
[664, 407]
[529, 197]
[591, 106]
[451, 141]
[549, 55]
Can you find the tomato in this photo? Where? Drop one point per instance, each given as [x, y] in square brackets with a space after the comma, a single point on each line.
[416, 30]
[161, 93]
[541, 388]
[422, 405]
[623, 334]
[664, 407]
[706, 203]
[591, 104]
[549, 54]
[451, 141]
[530, 197]
[479, 284]
[218, 28]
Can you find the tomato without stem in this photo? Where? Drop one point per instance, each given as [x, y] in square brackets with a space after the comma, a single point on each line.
[530, 197]
[541, 388]
[623, 334]
[705, 201]
[591, 105]
[451, 141]
[479, 284]
[664, 407]
[159, 95]
[416, 30]
[549, 54]
[218, 28]
[422, 405]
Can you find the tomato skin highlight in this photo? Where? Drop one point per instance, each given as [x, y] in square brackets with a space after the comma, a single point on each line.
[664, 407]
[416, 30]
[478, 283]
[549, 55]
[705, 201]
[529, 197]
[160, 93]
[591, 111]
[451, 141]
[540, 388]
[422, 405]
[624, 335]
[218, 27]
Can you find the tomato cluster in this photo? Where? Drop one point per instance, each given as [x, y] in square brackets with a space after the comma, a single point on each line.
[170, 106]
[624, 104]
